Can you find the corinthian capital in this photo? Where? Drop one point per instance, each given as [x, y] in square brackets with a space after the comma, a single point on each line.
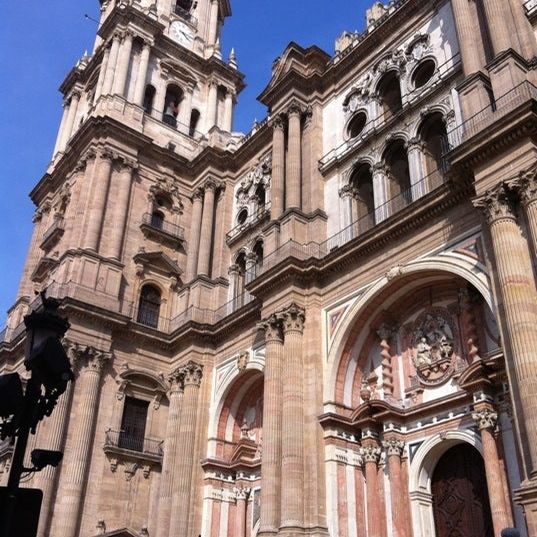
[177, 381]
[394, 447]
[86, 358]
[242, 493]
[485, 419]
[278, 122]
[272, 327]
[495, 204]
[526, 186]
[192, 374]
[370, 454]
[293, 318]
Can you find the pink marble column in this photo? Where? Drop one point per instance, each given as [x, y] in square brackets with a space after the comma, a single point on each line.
[394, 451]
[242, 503]
[292, 498]
[184, 463]
[370, 453]
[271, 459]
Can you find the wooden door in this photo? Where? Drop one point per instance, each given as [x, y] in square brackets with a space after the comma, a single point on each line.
[460, 498]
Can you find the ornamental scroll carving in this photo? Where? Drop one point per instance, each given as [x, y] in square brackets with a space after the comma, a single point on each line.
[260, 175]
[433, 347]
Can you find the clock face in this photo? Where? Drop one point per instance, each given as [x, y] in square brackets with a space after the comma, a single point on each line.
[181, 33]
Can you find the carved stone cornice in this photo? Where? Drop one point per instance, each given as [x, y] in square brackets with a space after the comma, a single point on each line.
[393, 447]
[495, 204]
[272, 327]
[485, 418]
[86, 358]
[293, 319]
[192, 374]
[371, 454]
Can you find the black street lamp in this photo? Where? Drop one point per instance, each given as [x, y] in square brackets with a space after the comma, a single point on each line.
[50, 370]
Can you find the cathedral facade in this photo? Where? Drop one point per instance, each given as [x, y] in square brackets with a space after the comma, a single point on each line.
[324, 327]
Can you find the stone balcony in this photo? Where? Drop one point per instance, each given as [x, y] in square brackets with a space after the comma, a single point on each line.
[162, 231]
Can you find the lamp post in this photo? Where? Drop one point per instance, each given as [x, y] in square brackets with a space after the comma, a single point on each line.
[50, 372]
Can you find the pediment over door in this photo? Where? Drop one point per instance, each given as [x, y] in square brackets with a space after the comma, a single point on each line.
[157, 262]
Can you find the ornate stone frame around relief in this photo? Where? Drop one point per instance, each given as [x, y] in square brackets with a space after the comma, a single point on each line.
[261, 174]
[433, 340]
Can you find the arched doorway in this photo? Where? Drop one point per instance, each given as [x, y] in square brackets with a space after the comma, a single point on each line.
[460, 498]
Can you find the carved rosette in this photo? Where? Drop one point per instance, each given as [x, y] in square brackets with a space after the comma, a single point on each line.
[192, 374]
[371, 454]
[485, 418]
[394, 447]
[496, 205]
[293, 319]
[272, 327]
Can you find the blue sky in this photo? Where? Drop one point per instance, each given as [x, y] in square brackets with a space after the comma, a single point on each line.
[41, 41]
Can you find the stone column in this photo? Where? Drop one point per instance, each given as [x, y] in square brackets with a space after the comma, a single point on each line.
[59, 138]
[228, 111]
[213, 22]
[370, 452]
[185, 111]
[233, 273]
[212, 106]
[56, 427]
[394, 451]
[98, 197]
[123, 62]
[417, 172]
[111, 66]
[139, 88]
[517, 288]
[71, 117]
[294, 183]
[184, 463]
[470, 39]
[278, 168]
[486, 420]
[526, 187]
[381, 190]
[499, 22]
[349, 214]
[242, 503]
[271, 458]
[121, 205]
[78, 454]
[292, 496]
[102, 74]
[169, 462]
[207, 223]
[194, 239]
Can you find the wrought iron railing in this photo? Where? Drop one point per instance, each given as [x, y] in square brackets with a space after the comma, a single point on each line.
[122, 440]
[161, 225]
[251, 221]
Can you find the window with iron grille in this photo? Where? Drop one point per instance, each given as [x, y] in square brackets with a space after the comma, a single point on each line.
[149, 306]
[133, 424]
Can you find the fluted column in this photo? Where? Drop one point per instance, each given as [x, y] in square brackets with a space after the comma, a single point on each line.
[78, 453]
[292, 511]
[278, 168]
[486, 420]
[111, 66]
[213, 22]
[370, 452]
[70, 122]
[470, 40]
[228, 111]
[59, 138]
[242, 502]
[519, 315]
[526, 187]
[192, 375]
[141, 78]
[102, 74]
[123, 62]
[381, 191]
[185, 111]
[416, 169]
[499, 22]
[271, 458]
[169, 461]
[294, 154]
[207, 223]
[121, 205]
[212, 106]
[98, 197]
[195, 232]
[394, 451]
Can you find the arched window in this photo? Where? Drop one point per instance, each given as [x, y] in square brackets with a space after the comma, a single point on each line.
[241, 279]
[261, 195]
[157, 219]
[174, 96]
[362, 181]
[396, 160]
[149, 98]
[389, 90]
[194, 121]
[183, 5]
[149, 306]
[433, 133]
[258, 251]
[356, 125]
